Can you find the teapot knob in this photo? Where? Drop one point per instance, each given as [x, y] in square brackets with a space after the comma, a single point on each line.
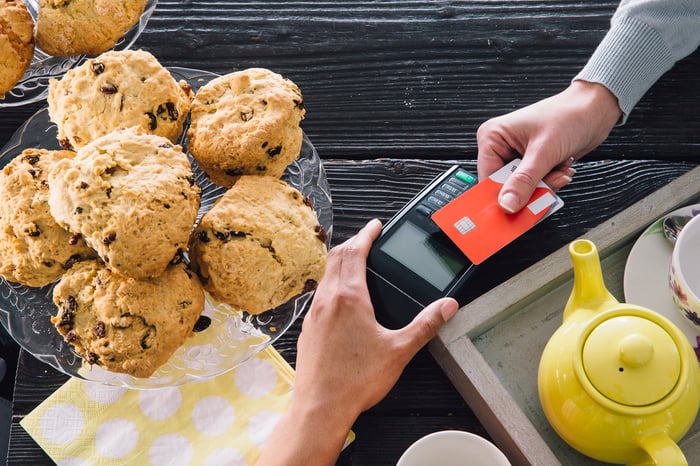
[636, 350]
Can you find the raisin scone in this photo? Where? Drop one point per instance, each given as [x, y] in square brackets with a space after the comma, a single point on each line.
[259, 245]
[246, 123]
[126, 325]
[132, 196]
[34, 249]
[75, 27]
[117, 90]
[16, 43]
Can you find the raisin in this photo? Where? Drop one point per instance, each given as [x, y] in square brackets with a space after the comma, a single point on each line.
[169, 107]
[299, 104]
[111, 170]
[234, 171]
[91, 357]
[83, 185]
[74, 239]
[321, 233]
[34, 230]
[153, 122]
[71, 260]
[178, 258]
[146, 340]
[108, 88]
[31, 159]
[202, 324]
[166, 205]
[100, 331]
[48, 263]
[172, 111]
[307, 202]
[260, 168]
[78, 210]
[264, 144]
[72, 303]
[97, 67]
[35, 172]
[108, 192]
[71, 337]
[310, 285]
[109, 239]
[65, 143]
[274, 151]
[203, 237]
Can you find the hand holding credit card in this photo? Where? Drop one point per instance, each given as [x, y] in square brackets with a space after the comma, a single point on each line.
[477, 224]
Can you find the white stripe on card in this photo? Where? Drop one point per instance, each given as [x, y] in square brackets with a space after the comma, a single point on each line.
[541, 203]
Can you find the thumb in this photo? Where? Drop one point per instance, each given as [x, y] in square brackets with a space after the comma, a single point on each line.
[427, 323]
[520, 185]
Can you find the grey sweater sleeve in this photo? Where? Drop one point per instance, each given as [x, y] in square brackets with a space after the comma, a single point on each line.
[646, 38]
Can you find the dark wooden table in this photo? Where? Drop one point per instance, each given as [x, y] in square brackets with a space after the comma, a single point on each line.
[394, 93]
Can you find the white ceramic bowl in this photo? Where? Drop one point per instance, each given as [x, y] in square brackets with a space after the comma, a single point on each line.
[453, 448]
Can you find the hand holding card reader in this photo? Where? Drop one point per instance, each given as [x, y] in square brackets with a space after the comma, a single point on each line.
[413, 262]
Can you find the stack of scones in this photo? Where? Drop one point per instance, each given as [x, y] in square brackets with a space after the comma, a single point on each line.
[111, 218]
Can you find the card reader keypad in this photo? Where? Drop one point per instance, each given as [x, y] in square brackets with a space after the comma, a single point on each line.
[448, 190]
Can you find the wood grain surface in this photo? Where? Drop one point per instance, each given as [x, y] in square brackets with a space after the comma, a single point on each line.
[394, 92]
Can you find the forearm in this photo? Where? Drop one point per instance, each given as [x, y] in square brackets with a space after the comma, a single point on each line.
[308, 434]
[645, 40]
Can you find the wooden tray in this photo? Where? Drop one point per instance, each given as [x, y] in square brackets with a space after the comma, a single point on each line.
[491, 349]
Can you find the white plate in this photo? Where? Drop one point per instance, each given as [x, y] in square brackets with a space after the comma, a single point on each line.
[231, 338]
[34, 85]
[646, 276]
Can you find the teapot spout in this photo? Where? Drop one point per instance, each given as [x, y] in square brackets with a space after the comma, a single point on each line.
[589, 291]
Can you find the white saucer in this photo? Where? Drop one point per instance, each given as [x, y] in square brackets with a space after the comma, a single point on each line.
[646, 276]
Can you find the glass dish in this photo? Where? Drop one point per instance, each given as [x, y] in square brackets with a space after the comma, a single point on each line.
[34, 85]
[232, 336]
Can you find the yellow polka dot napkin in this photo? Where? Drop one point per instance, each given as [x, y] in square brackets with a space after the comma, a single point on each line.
[222, 421]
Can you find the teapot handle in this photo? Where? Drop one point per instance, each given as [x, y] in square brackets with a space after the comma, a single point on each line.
[661, 450]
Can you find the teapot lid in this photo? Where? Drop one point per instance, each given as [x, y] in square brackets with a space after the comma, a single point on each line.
[631, 360]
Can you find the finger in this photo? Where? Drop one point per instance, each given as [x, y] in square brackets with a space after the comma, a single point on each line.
[427, 324]
[560, 177]
[494, 151]
[518, 188]
[354, 252]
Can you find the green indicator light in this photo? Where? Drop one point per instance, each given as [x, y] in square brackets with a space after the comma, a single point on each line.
[464, 176]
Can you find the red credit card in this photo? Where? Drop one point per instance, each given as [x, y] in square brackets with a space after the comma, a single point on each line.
[479, 227]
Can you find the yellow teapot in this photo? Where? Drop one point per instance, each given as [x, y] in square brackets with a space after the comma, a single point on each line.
[618, 382]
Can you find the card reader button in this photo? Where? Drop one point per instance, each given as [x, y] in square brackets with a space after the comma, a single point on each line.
[464, 176]
[439, 193]
[453, 190]
[436, 202]
[424, 210]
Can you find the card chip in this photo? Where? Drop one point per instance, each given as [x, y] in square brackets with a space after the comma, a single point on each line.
[464, 225]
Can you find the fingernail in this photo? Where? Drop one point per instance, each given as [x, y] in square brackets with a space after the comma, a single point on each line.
[448, 309]
[372, 222]
[509, 202]
[567, 179]
[570, 171]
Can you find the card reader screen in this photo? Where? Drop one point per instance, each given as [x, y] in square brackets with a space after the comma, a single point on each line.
[430, 260]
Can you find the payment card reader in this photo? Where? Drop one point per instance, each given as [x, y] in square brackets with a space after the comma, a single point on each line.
[413, 262]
